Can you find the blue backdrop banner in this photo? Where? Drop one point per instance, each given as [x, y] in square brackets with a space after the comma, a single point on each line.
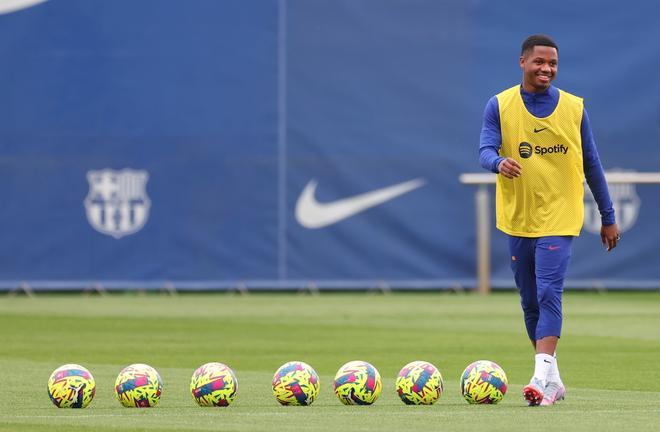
[287, 143]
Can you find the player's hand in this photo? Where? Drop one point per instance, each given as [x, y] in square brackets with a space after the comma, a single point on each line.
[610, 236]
[509, 168]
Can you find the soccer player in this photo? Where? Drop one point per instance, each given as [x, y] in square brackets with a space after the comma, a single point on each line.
[539, 140]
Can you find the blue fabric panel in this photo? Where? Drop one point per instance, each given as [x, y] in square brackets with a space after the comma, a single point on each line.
[282, 142]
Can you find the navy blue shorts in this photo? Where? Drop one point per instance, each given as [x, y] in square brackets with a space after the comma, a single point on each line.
[539, 266]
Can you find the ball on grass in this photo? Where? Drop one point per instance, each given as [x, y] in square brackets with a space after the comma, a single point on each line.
[139, 386]
[296, 383]
[213, 384]
[419, 383]
[483, 382]
[357, 383]
[71, 386]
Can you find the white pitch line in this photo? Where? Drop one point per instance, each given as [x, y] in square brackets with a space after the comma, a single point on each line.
[82, 416]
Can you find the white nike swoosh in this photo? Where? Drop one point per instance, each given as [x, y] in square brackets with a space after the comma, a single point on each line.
[312, 214]
[8, 6]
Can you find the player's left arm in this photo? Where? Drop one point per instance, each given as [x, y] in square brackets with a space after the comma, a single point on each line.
[595, 176]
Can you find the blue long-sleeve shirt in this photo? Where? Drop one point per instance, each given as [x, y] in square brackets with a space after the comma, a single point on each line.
[542, 105]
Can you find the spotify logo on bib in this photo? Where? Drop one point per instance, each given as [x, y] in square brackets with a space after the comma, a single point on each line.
[525, 150]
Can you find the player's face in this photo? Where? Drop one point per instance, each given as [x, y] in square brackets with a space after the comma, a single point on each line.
[539, 68]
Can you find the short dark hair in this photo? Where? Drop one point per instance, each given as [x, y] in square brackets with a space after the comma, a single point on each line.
[537, 39]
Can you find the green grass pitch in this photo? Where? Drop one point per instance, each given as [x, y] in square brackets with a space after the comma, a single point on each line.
[609, 358]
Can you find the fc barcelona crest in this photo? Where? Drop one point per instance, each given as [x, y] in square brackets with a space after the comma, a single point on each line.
[117, 203]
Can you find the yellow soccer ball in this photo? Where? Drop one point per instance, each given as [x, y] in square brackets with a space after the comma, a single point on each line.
[213, 384]
[483, 382]
[71, 386]
[357, 383]
[296, 383]
[419, 383]
[138, 385]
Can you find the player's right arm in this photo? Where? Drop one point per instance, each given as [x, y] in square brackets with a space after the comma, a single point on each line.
[490, 141]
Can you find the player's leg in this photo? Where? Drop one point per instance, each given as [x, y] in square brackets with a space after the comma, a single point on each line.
[554, 389]
[522, 264]
[552, 258]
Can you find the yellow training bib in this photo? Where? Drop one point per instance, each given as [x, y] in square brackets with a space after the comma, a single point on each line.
[547, 199]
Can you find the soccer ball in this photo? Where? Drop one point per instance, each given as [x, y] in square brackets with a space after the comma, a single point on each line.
[295, 383]
[71, 386]
[357, 383]
[419, 383]
[483, 382]
[138, 385]
[213, 384]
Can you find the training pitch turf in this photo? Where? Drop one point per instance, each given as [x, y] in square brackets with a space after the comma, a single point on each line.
[609, 358]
